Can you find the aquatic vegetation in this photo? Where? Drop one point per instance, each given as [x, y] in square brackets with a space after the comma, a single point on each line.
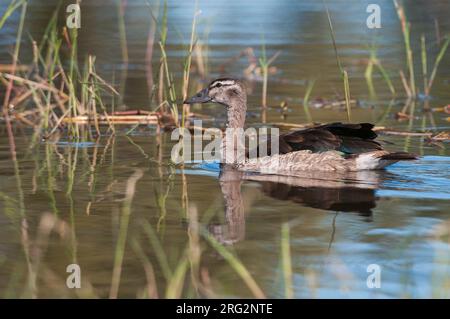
[265, 63]
[308, 92]
[368, 74]
[410, 87]
[87, 178]
[343, 71]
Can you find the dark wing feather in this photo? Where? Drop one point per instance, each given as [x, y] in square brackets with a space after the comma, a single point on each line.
[316, 140]
[346, 138]
[361, 130]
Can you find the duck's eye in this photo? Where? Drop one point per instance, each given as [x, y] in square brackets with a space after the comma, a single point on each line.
[218, 85]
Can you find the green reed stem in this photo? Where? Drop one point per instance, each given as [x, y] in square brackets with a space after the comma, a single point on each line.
[158, 249]
[13, 5]
[347, 95]
[170, 84]
[344, 73]
[176, 282]
[438, 61]
[308, 92]
[237, 265]
[286, 261]
[187, 67]
[406, 30]
[124, 47]
[424, 64]
[123, 230]
[386, 77]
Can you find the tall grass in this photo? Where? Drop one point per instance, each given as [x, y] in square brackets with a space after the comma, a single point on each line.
[123, 230]
[265, 63]
[237, 265]
[57, 95]
[15, 57]
[437, 61]
[286, 261]
[368, 74]
[121, 7]
[424, 64]
[406, 30]
[187, 67]
[149, 52]
[306, 97]
[343, 72]
[166, 82]
[13, 5]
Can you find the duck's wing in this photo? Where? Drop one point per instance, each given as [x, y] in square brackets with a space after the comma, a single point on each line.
[346, 138]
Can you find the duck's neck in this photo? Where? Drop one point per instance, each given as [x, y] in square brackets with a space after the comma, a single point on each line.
[235, 122]
[236, 113]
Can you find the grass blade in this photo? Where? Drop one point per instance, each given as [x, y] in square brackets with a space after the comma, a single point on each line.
[437, 61]
[286, 261]
[308, 92]
[344, 73]
[237, 265]
[11, 8]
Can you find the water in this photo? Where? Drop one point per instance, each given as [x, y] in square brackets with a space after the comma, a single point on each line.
[66, 202]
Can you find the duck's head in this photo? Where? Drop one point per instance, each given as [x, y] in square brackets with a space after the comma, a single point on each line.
[226, 91]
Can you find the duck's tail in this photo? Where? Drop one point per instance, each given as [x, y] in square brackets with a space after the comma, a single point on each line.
[399, 156]
[381, 159]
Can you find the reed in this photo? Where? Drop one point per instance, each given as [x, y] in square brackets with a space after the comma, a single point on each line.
[162, 43]
[306, 97]
[265, 72]
[175, 285]
[187, 66]
[121, 7]
[286, 261]
[31, 283]
[9, 87]
[437, 61]
[406, 30]
[57, 95]
[194, 248]
[151, 290]
[265, 63]
[386, 77]
[237, 265]
[69, 195]
[409, 83]
[149, 52]
[166, 84]
[374, 62]
[424, 64]
[123, 230]
[158, 250]
[13, 5]
[343, 72]
[202, 55]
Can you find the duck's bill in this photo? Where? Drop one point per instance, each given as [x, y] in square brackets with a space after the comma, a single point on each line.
[200, 97]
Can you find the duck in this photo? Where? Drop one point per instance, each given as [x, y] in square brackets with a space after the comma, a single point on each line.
[332, 147]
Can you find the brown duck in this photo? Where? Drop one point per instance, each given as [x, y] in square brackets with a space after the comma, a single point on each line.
[336, 147]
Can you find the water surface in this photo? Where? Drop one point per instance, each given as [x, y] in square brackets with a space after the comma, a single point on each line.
[66, 201]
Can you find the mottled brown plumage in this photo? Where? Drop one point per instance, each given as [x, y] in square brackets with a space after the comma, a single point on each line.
[329, 147]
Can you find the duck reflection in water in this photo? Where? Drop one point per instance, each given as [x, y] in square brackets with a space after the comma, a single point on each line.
[338, 192]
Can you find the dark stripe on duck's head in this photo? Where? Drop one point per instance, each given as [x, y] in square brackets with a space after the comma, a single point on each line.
[222, 82]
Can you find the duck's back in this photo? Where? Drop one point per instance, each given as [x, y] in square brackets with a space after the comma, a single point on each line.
[329, 147]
